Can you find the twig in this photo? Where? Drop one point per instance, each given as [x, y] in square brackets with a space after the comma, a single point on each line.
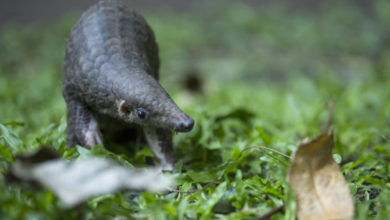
[267, 148]
[271, 213]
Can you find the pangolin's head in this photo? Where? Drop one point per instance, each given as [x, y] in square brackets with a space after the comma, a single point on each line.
[148, 104]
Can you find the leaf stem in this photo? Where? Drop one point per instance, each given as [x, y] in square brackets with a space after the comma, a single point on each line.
[170, 189]
[330, 114]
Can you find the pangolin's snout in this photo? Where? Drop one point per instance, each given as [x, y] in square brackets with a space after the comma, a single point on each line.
[184, 124]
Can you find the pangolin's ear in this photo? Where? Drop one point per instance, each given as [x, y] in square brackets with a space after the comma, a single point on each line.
[123, 108]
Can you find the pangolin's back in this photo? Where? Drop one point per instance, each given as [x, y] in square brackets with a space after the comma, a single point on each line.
[108, 44]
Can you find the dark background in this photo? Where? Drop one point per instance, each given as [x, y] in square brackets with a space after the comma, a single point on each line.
[29, 10]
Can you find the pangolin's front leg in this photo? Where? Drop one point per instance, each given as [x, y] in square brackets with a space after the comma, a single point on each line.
[160, 142]
[83, 128]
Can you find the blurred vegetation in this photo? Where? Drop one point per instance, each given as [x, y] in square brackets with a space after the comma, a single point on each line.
[264, 75]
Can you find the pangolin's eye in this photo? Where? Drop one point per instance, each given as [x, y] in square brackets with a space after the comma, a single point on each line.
[141, 113]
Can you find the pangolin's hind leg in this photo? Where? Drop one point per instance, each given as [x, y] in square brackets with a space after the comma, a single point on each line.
[83, 128]
[160, 142]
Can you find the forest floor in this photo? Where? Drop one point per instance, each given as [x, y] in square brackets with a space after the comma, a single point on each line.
[249, 76]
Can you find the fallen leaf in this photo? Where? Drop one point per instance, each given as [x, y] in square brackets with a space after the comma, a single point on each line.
[77, 181]
[321, 190]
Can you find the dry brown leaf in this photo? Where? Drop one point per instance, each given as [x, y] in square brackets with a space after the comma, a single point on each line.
[320, 188]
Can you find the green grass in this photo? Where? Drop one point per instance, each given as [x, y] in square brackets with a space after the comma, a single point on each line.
[268, 74]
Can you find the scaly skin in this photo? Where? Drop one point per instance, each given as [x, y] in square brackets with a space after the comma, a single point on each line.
[111, 71]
